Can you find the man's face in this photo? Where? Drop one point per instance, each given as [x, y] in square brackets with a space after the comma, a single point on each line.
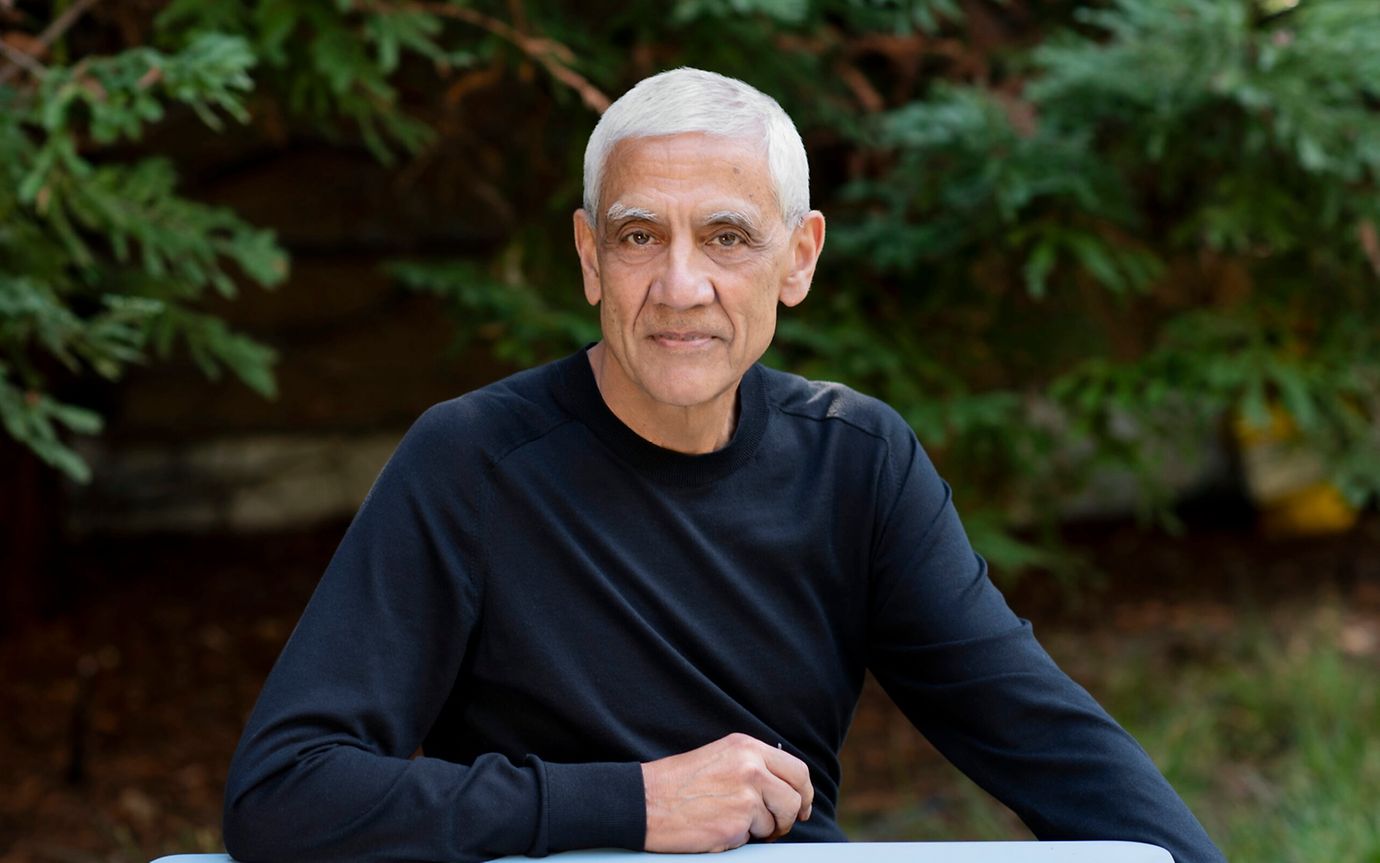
[687, 264]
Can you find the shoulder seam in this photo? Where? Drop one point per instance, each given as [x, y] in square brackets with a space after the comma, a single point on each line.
[533, 438]
[833, 418]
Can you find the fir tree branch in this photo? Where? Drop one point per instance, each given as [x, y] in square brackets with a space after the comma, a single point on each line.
[50, 34]
[549, 53]
[20, 59]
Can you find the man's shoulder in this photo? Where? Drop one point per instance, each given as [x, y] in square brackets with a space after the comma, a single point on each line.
[830, 402]
[497, 417]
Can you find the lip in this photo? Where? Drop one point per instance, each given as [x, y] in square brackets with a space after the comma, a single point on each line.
[688, 340]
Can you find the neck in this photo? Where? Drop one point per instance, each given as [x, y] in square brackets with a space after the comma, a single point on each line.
[693, 430]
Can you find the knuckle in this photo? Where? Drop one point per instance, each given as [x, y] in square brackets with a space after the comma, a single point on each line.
[735, 834]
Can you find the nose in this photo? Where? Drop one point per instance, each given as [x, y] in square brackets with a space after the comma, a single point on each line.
[684, 280]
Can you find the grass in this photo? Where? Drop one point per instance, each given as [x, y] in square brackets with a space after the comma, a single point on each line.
[1270, 732]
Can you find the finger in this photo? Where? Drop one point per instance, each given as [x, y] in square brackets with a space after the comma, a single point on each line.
[763, 824]
[784, 803]
[793, 772]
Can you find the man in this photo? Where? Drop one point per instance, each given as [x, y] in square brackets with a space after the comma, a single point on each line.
[627, 599]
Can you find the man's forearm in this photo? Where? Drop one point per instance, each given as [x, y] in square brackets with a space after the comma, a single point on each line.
[1002, 711]
[342, 802]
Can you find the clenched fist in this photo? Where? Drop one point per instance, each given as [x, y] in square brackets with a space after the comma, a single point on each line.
[720, 795]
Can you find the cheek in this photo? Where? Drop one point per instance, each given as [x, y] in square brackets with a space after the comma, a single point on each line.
[609, 314]
[619, 300]
[759, 303]
[618, 314]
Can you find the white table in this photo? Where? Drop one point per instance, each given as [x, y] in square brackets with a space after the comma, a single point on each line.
[857, 852]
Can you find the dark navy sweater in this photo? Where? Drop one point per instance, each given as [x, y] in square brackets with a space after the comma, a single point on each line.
[540, 599]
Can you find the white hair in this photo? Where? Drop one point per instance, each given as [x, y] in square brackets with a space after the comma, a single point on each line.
[693, 100]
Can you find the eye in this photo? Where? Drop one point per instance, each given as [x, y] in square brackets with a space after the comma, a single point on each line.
[728, 239]
[638, 238]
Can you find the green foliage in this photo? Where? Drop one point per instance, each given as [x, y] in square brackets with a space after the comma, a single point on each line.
[331, 60]
[1082, 247]
[101, 260]
[1174, 202]
[120, 94]
[785, 11]
[1292, 723]
[1151, 223]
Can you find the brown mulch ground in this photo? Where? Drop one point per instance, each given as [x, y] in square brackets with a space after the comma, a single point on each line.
[118, 716]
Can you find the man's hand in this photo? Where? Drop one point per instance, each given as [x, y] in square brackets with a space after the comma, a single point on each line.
[720, 795]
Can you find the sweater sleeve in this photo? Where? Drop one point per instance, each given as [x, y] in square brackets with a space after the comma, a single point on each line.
[323, 770]
[970, 675]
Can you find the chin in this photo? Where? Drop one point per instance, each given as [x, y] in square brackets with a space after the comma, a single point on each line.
[686, 391]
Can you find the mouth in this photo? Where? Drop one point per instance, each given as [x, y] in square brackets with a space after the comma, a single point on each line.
[682, 340]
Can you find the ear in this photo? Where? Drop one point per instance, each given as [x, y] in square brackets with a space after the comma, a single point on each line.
[807, 241]
[587, 247]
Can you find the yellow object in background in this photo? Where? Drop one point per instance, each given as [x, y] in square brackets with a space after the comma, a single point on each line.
[1288, 482]
[1316, 510]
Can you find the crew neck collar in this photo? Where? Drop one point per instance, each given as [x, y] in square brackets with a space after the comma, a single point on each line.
[580, 393]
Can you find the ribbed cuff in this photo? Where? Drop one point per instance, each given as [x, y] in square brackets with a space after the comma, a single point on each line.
[599, 805]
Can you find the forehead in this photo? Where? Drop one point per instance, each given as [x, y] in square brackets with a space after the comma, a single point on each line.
[688, 171]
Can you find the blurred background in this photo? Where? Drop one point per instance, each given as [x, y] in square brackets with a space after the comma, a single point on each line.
[1117, 262]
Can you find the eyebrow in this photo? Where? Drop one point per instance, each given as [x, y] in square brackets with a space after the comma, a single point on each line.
[735, 218]
[620, 212]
